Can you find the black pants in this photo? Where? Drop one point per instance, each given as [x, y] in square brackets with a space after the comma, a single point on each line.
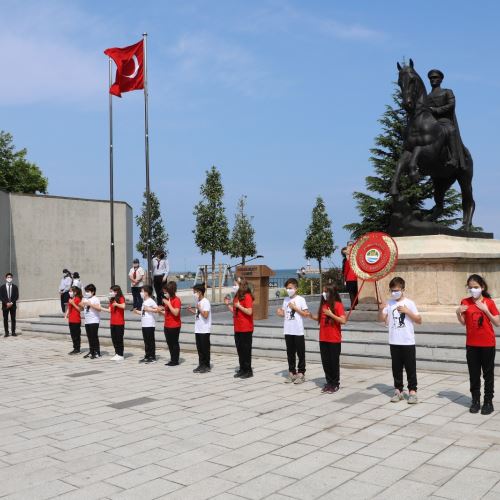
[296, 345]
[75, 329]
[158, 284]
[352, 290]
[92, 330]
[64, 301]
[481, 359]
[330, 358]
[117, 332]
[136, 297]
[172, 338]
[12, 312]
[203, 346]
[403, 356]
[243, 341]
[148, 334]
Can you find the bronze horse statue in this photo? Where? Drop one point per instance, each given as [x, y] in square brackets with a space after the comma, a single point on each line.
[426, 152]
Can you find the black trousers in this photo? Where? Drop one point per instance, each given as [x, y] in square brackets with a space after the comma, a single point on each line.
[117, 332]
[296, 346]
[330, 358]
[352, 290]
[404, 356]
[158, 284]
[136, 297]
[148, 334]
[92, 330]
[243, 341]
[203, 346]
[75, 330]
[481, 359]
[64, 301]
[172, 338]
[12, 312]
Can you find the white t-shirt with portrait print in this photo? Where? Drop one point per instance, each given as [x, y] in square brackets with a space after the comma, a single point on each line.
[147, 317]
[201, 324]
[401, 328]
[91, 315]
[293, 323]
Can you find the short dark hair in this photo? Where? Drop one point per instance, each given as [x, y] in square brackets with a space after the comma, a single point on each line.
[76, 274]
[292, 281]
[170, 287]
[135, 261]
[200, 288]
[90, 288]
[9, 274]
[148, 289]
[397, 281]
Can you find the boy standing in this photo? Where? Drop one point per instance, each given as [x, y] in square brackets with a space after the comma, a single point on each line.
[202, 327]
[293, 310]
[399, 314]
[148, 323]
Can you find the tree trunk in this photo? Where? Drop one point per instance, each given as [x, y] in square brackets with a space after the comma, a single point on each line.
[243, 258]
[320, 277]
[213, 276]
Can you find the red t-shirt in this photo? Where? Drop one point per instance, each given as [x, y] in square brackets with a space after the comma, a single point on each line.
[479, 331]
[73, 312]
[172, 321]
[243, 322]
[329, 329]
[349, 274]
[117, 317]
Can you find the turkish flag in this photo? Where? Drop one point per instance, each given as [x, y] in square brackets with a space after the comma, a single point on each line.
[129, 68]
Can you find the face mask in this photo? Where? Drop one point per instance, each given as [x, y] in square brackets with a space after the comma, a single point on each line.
[195, 296]
[71, 294]
[142, 295]
[136, 266]
[475, 292]
[112, 295]
[235, 288]
[396, 294]
[87, 295]
[325, 295]
[9, 280]
[290, 292]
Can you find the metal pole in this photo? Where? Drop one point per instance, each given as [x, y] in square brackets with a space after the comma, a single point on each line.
[111, 181]
[146, 141]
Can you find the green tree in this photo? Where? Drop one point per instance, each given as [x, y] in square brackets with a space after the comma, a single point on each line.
[159, 236]
[242, 243]
[319, 244]
[17, 174]
[376, 210]
[211, 234]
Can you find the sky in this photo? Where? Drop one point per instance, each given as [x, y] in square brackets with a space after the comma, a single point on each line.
[282, 96]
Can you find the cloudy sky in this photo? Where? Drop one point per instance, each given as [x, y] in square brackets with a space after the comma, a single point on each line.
[282, 96]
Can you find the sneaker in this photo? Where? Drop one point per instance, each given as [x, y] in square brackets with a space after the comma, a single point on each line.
[325, 389]
[246, 375]
[14, 334]
[73, 352]
[204, 369]
[487, 408]
[412, 399]
[88, 355]
[398, 396]
[197, 369]
[150, 360]
[238, 374]
[93, 356]
[290, 379]
[333, 389]
[475, 406]
[117, 357]
[144, 359]
[299, 379]
[171, 363]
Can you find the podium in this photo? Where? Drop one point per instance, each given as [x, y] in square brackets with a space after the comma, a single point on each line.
[258, 279]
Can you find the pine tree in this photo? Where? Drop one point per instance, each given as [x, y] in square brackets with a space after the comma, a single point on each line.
[242, 243]
[159, 236]
[212, 232]
[319, 244]
[375, 210]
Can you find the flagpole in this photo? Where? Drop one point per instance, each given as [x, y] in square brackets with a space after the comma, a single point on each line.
[146, 144]
[111, 180]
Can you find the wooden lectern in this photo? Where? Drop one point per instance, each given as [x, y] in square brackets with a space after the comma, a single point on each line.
[258, 279]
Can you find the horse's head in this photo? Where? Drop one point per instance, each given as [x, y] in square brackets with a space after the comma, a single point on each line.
[411, 86]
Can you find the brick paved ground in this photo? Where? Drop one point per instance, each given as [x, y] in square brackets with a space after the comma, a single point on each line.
[74, 428]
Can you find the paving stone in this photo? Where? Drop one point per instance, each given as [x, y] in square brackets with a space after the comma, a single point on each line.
[305, 466]
[262, 486]
[455, 457]
[469, 483]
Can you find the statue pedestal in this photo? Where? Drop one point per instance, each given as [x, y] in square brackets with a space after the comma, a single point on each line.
[435, 268]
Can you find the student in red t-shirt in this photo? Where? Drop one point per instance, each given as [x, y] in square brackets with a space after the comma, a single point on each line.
[479, 313]
[117, 320]
[331, 316]
[242, 309]
[172, 326]
[350, 278]
[74, 318]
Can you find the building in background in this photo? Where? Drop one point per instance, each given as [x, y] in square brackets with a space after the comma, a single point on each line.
[41, 235]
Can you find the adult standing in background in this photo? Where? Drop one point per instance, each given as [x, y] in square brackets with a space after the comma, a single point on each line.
[76, 280]
[136, 276]
[64, 286]
[160, 274]
[350, 278]
[9, 295]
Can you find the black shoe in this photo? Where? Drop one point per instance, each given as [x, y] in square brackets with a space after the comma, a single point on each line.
[144, 359]
[487, 408]
[14, 334]
[197, 369]
[239, 373]
[6, 335]
[247, 375]
[171, 363]
[204, 369]
[150, 360]
[93, 356]
[74, 351]
[88, 355]
[475, 406]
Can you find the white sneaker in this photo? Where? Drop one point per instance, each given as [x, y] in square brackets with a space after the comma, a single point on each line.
[117, 357]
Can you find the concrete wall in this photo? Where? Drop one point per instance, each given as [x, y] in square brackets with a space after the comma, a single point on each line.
[49, 233]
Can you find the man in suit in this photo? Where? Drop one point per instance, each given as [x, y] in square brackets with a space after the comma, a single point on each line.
[9, 295]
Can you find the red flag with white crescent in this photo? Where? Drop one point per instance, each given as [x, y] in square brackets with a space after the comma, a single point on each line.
[129, 68]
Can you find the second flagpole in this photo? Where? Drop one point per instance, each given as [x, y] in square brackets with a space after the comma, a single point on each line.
[146, 144]
[111, 180]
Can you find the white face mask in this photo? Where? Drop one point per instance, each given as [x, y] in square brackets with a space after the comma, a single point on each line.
[235, 288]
[290, 292]
[325, 295]
[71, 294]
[142, 295]
[396, 294]
[112, 295]
[195, 296]
[475, 292]
[87, 295]
[8, 280]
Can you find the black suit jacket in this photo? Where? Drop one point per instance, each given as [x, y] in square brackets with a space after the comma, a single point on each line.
[14, 296]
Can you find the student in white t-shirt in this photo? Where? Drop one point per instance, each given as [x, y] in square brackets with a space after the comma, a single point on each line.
[91, 306]
[399, 314]
[148, 323]
[202, 327]
[293, 310]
